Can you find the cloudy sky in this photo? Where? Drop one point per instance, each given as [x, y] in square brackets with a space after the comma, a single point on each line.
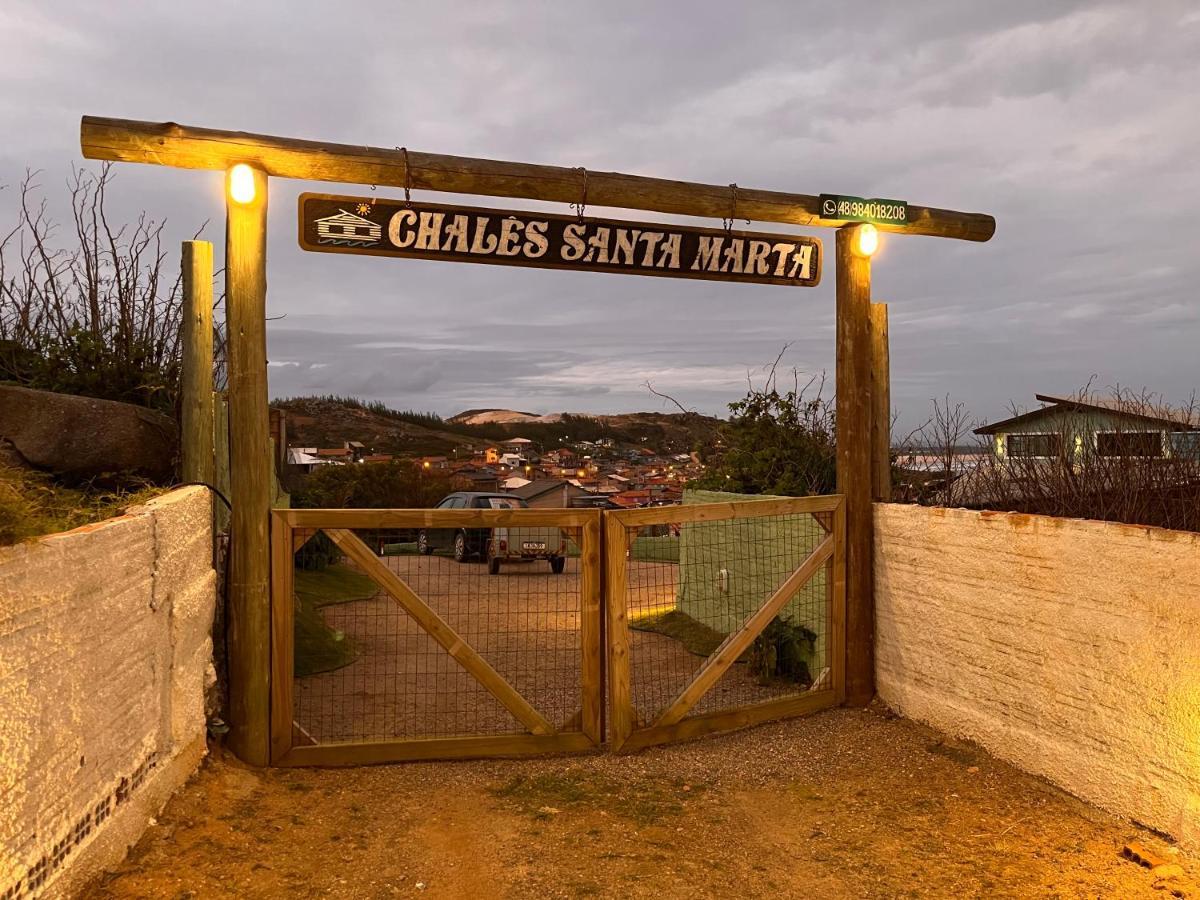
[1075, 124]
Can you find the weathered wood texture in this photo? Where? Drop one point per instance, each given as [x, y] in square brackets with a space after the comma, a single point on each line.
[170, 144]
[713, 512]
[854, 458]
[195, 388]
[881, 405]
[620, 692]
[437, 518]
[283, 612]
[590, 633]
[248, 621]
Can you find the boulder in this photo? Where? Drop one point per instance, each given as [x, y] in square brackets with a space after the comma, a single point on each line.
[82, 437]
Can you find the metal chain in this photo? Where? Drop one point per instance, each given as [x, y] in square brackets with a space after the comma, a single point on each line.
[407, 179]
[582, 204]
[728, 221]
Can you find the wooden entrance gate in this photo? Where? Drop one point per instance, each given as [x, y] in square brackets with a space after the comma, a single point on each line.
[442, 660]
[718, 616]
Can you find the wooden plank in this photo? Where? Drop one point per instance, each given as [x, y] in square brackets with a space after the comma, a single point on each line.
[728, 720]
[370, 226]
[738, 509]
[837, 599]
[477, 747]
[589, 628]
[196, 365]
[620, 710]
[438, 629]
[282, 637]
[170, 144]
[881, 406]
[437, 518]
[854, 459]
[739, 641]
[249, 620]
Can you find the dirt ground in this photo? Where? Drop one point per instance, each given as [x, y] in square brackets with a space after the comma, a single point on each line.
[846, 803]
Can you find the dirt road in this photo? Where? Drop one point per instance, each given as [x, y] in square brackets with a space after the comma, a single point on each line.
[841, 804]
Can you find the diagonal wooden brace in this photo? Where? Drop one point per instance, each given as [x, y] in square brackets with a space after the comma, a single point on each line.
[438, 629]
[735, 645]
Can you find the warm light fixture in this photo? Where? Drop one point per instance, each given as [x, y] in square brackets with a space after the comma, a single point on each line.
[866, 239]
[241, 183]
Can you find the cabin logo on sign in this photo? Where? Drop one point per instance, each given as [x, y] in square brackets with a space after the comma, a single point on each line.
[345, 229]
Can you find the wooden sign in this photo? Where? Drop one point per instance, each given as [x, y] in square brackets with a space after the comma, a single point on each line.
[384, 227]
[859, 209]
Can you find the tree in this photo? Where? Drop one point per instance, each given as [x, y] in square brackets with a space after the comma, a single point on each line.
[775, 442]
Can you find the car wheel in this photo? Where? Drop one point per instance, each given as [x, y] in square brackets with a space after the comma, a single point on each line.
[493, 565]
[460, 547]
[423, 544]
[557, 564]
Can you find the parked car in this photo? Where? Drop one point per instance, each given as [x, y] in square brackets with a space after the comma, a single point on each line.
[499, 545]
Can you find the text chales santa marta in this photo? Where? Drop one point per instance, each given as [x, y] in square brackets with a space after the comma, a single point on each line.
[467, 234]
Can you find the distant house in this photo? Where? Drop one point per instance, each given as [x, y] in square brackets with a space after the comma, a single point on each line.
[551, 493]
[1077, 427]
[514, 482]
[517, 445]
[347, 229]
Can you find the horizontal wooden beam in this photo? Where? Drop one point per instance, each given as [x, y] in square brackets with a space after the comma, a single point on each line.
[737, 509]
[186, 147]
[438, 518]
[365, 753]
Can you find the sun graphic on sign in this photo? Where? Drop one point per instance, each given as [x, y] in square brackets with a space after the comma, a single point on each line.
[363, 209]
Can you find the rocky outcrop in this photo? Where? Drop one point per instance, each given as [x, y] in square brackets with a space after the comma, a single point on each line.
[82, 437]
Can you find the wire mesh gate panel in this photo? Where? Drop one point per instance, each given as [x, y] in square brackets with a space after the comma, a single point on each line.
[722, 615]
[393, 638]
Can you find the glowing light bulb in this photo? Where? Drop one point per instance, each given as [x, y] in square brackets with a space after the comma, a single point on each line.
[241, 183]
[866, 240]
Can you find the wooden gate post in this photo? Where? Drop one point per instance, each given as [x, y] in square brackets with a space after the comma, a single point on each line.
[881, 405]
[248, 610]
[196, 383]
[854, 458]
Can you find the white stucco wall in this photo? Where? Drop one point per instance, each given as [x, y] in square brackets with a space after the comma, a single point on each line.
[1069, 648]
[105, 654]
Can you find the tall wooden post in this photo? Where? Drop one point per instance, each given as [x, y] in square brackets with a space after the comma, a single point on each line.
[854, 459]
[881, 405]
[248, 619]
[196, 385]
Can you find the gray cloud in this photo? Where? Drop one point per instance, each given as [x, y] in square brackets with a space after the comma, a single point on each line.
[1073, 123]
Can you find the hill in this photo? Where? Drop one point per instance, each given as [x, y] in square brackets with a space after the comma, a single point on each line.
[329, 421]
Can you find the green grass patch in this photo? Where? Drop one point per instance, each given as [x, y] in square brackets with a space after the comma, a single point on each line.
[655, 549]
[334, 584]
[406, 548]
[320, 648]
[33, 503]
[697, 637]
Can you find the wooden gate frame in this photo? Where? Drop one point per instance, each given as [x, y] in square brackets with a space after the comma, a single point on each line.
[542, 736]
[861, 379]
[670, 724]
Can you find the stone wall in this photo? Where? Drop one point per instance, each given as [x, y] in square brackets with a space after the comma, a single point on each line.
[105, 657]
[1069, 648]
